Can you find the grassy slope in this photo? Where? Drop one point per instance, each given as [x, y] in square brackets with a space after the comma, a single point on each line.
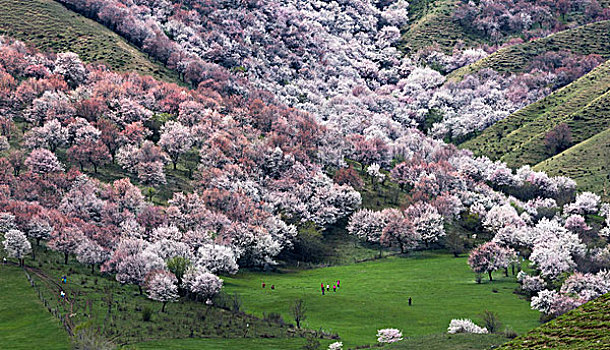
[124, 324]
[49, 26]
[227, 344]
[449, 342]
[584, 328]
[24, 322]
[519, 139]
[593, 38]
[374, 295]
[588, 163]
[431, 24]
[436, 341]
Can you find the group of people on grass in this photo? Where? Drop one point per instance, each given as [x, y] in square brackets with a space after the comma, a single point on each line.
[335, 286]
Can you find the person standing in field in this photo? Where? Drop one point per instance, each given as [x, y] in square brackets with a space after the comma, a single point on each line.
[322, 286]
[335, 288]
[328, 287]
[338, 284]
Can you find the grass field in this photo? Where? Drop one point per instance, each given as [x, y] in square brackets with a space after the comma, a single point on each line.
[587, 327]
[49, 26]
[24, 322]
[374, 295]
[593, 38]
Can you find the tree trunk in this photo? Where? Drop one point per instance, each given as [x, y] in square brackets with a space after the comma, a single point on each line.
[490, 278]
[94, 167]
[38, 241]
[140, 289]
[174, 163]
[65, 258]
[92, 269]
[506, 271]
[163, 307]
[33, 254]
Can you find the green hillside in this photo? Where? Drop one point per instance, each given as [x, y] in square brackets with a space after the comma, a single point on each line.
[583, 105]
[584, 328]
[588, 163]
[593, 38]
[431, 23]
[49, 26]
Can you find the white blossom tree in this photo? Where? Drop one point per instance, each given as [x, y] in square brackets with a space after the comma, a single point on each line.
[16, 245]
[217, 259]
[202, 283]
[389, 335]
[161, 286]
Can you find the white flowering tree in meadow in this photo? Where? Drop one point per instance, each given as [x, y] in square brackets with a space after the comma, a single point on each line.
[161, 286]
[16, 245]
[389, 335]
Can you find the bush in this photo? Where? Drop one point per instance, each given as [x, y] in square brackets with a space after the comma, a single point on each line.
[312, 343]
[87, 339]
[147, 314]
[492, 322]
[510, 333]
[274, 317]
[465, 326]
[558, 139]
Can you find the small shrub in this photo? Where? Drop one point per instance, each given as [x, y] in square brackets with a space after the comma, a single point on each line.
[510, 333]
[274, 317]
[236, 303]
[492, 322]
[312, 343]
[87, 339]
[147, 314]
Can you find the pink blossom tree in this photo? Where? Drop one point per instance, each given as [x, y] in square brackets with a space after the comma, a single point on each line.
[489, 257]
[43, 162]
[66, 240]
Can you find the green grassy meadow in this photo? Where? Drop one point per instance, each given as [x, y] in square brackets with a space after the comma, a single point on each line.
[24, 321]
[374, 295]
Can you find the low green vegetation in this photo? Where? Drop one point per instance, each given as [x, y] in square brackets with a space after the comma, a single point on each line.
[24, 321]
[583, 328]
[49, 26]
[374, 295]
